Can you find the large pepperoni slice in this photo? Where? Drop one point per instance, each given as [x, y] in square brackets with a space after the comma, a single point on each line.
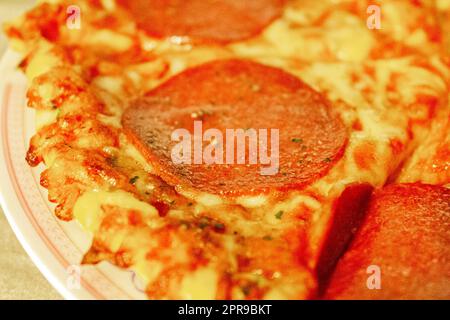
[402, 250]
[217, 21]
[238, 94]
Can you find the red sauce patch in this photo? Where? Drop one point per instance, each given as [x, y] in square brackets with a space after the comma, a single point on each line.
[216, 21]
[162, 208]
[134, 218]
[396, 145]
[357, 125]
[50, 30]
[238, 94]
[364, 155]
[431, 103]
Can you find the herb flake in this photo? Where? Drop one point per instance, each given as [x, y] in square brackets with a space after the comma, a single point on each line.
[134, 179]
[279, 214]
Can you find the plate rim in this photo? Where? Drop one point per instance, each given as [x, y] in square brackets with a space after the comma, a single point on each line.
[28, 236]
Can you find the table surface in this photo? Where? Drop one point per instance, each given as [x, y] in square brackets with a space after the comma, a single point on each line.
[19, 277]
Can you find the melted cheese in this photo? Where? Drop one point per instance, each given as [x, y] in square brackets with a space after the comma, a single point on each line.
[147, 270]
[42, 61]
[199, 285]
[252, 202]
[342, 33]
[45, 117]
[109, 39]
[443, 4]
[88, 208]
[130, 150]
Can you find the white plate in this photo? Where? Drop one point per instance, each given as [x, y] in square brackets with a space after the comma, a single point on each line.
[56, 247]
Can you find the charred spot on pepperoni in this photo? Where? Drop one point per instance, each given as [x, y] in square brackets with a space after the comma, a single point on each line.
[210, 21]
[238, 94]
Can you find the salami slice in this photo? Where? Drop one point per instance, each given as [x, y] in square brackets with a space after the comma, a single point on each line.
[402, 250]
[232, 95]
[216, 21]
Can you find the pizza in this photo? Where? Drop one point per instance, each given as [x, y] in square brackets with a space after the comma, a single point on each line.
[353, 119]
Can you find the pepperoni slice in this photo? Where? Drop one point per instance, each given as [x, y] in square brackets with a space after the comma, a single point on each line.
[216, 21]
[347, 215]
[406, 234]
[238, 94]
